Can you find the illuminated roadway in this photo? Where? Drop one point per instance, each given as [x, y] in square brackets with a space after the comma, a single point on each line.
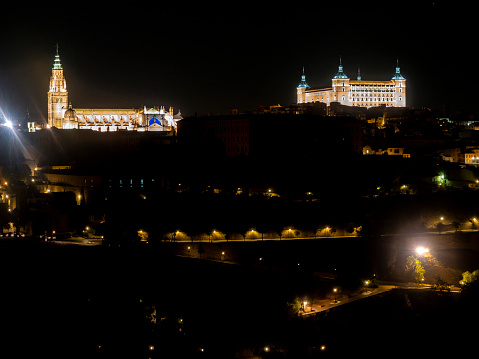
[79, 241]
[258, 239]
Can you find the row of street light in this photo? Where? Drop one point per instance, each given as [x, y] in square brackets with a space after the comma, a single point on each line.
[254, 234]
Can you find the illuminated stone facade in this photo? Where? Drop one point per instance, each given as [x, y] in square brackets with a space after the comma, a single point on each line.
[57, 94]
[358, 92]
[60, 115]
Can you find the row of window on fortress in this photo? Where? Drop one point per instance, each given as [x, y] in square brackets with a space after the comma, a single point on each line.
[238, 149]
[381, 90]
[238, 139]
[364, 100]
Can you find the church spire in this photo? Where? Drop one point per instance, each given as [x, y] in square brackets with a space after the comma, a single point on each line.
[56, 63]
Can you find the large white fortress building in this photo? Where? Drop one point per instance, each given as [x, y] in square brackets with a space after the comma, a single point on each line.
[62, 115]
[362, 93]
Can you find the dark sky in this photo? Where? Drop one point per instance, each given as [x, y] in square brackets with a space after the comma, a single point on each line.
[210, 58]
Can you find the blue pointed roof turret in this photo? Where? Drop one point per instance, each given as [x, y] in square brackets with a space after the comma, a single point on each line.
[303, 82]
[397, 75]
[340, 74]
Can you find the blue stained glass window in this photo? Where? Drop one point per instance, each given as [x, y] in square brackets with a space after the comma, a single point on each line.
[154, 120]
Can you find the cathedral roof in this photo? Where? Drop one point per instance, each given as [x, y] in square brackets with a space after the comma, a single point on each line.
[70, 113]
[178, 116]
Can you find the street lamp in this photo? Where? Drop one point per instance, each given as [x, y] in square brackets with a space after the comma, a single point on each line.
[422, 250]
[335, 290]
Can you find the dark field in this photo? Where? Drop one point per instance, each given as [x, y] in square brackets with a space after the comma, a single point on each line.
[94, 303]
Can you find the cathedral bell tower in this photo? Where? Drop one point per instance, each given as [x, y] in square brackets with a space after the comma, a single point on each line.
[57, 94]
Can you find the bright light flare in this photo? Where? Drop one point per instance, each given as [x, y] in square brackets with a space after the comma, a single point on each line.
[8, 123]
[422, 250]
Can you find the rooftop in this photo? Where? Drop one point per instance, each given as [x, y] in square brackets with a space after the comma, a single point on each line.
[363, 82]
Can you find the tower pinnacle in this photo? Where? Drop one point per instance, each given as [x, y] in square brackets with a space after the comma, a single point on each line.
[340, 74]
[398, 75]
[303, 82]
[56, 63]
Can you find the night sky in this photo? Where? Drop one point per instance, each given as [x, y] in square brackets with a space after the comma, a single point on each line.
[210, 58]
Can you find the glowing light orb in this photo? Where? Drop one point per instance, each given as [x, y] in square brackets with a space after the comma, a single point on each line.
[422, 250]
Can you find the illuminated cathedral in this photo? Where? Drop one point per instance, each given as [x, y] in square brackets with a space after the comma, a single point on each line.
[64, 116]
[362, 93]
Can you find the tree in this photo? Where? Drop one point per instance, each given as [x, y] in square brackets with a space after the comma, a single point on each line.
[440, 227]
[5, 216]
[201, 250]
[456, 225]
[293, 308]
[143, 235]
[468, 278]
[414, 269]
[261, 228]
[442, 286]
[279, 231]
